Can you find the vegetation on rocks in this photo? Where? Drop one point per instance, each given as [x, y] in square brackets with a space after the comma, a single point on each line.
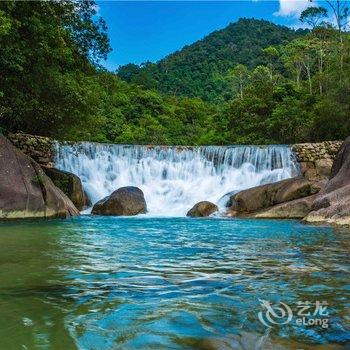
[69, 184]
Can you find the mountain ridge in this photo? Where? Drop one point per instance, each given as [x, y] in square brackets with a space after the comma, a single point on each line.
[197, 69]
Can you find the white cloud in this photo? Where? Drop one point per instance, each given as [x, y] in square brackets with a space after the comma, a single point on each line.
[293, 8]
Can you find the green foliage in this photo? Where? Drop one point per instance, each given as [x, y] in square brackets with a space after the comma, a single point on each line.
[39, 180]
[251, 83]
[46, 50]
[193, 71]
[313, 16]
[311, 103]
[134, 115]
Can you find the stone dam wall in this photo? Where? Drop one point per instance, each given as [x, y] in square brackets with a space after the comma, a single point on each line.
[311, 152]
[315, 159]
[40, 148]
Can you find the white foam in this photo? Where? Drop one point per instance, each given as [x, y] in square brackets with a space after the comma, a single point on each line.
[173, 179]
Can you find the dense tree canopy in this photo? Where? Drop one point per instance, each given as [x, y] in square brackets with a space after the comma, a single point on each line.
[197, 70]
[47, 51]
[252, 82]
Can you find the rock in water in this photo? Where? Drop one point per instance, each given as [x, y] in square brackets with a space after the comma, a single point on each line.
[124, 201]
[257, 198]
[70, 184]
[296, 209]
[25, 190]
[332, 205]
[202, 209]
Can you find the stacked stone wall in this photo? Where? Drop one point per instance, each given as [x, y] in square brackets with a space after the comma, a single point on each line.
[316, 159]
[40, 148]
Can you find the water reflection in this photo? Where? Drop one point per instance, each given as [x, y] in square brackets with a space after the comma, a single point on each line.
[32, 289]
[130, 283]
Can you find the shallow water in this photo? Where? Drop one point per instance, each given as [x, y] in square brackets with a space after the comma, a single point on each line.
[168, 283]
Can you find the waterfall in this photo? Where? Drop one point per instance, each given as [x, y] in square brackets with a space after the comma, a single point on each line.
[173, 179]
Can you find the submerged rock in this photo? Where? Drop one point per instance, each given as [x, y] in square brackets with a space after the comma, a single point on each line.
[332, 205]
[25, 190]
[124, 201]
[70, 184]
[202, 209]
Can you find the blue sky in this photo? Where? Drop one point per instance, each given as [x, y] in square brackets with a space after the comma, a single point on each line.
[143, 31]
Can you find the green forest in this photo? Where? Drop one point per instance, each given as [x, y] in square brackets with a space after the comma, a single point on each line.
[253, 82]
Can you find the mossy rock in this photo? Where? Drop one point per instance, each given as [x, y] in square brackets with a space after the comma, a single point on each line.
[68, 183]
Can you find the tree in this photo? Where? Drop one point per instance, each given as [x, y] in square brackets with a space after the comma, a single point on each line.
[272, 54]
[5, 23]
[300, 55]
[313, 16]
[47, 54]
[239, 75]
[194, 70]
[340, 10]
[290, 121]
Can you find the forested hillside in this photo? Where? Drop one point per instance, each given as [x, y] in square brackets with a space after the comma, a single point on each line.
[251, 83]
[198, 70]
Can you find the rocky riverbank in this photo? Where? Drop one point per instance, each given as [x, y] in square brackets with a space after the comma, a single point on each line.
[25, 190]
[31, 187]
[320, 201]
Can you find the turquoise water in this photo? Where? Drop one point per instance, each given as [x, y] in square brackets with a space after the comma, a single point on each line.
[168, 283]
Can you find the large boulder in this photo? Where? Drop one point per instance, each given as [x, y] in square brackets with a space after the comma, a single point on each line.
[295, 209]
[257, 198]
[320, 169]
[70, 184]
[323, 168]
[202, 209]
[342, 160]
[25, 190]
[124, 201]
[308, 170]
[332, 205]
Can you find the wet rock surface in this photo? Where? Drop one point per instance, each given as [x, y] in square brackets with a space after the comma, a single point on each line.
[126, 201]
[265, 196]
[202, 209]
[296, 209]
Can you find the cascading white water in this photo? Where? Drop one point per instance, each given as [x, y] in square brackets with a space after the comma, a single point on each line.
[173, 179]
